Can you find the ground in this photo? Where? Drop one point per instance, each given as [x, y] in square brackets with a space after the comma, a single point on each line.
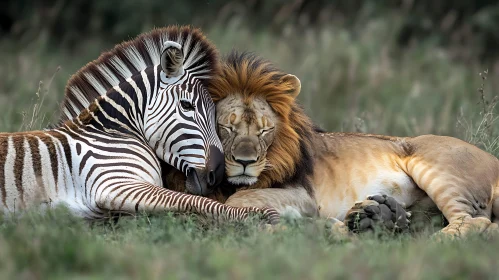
[350, 82]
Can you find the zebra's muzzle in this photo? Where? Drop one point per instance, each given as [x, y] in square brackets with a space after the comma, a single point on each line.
[195, 184]
[201, 181]
[215, 166]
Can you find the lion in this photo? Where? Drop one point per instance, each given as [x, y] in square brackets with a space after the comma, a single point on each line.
[276, 157]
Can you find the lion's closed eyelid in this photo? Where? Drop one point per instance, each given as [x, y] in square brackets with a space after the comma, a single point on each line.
[265, 130]
[227, 127]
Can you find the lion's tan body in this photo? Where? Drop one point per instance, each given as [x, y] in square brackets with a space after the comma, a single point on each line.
[275, 158]
[356, 166]
[459, 178]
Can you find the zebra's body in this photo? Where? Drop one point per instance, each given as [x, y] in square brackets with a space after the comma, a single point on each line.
[133, 113]
[51, 168]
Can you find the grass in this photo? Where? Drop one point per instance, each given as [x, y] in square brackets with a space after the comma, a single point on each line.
[352, 80]
[57, 245]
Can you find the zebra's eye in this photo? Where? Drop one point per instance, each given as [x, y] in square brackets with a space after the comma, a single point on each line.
[186, 105]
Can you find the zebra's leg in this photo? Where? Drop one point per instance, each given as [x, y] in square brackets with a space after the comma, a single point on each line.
[139, 196]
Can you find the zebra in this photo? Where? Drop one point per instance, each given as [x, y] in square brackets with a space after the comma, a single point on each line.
[142, 102]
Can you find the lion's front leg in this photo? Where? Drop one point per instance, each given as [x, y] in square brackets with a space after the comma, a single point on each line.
[294, 202]
[289, 202]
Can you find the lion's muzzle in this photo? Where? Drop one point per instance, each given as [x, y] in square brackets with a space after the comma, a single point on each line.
[245, 152]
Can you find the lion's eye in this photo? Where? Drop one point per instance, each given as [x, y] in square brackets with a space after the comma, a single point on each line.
[228, 128]
[186, 105]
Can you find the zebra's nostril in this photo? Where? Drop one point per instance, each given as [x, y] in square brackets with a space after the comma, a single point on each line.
[212, 178]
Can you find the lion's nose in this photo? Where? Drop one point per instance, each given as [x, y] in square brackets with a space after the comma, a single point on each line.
[245, 152]
[245, 162]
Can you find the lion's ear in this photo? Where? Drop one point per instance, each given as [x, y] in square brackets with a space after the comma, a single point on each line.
[292, 83]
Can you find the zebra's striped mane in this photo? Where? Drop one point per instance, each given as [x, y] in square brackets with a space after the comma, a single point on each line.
[131, 57]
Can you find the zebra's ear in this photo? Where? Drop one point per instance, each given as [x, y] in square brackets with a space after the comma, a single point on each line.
[291, 84]
[172, 59]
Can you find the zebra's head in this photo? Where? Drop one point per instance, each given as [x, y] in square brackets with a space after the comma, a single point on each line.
[180, 122]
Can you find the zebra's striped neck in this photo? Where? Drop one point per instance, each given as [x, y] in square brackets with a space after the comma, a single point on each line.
[123, 107]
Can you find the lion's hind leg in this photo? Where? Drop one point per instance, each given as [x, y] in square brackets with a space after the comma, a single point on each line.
[459, 178]
[465, 225]
[465, 210]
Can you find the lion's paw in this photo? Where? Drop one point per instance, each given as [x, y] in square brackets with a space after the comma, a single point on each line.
[378, 211]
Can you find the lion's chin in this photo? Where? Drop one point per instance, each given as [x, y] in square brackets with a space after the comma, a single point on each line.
[242, 180]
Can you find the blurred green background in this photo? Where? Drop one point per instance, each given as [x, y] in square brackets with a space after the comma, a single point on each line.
[396, 67]
[389, 67]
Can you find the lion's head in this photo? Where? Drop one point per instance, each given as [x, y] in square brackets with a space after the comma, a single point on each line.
[264, 132]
